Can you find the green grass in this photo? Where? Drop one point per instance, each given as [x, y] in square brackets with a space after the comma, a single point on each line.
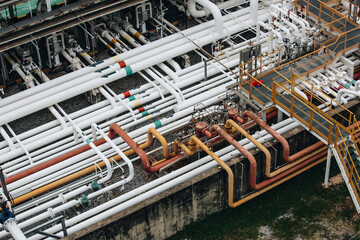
[297, 208]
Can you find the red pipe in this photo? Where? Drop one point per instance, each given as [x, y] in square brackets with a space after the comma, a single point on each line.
[281, 139]
[201, 130]
[58, 159]
[141, 153]
[291, 170]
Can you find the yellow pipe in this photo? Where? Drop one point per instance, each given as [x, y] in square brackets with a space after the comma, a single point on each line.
[152, 132]
[230, 123]
[194, 139]
[36, 192]
[265, 189]
[269, 174]
[186, 149]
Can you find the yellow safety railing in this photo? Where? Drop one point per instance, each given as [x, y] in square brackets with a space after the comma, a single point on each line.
[294, 110]
[247, 78]
[347, 161]
[352, 10]
[264, 61]
[340, 112]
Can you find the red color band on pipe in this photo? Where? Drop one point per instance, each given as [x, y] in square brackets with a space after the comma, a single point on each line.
[122, 64]
[126, 94]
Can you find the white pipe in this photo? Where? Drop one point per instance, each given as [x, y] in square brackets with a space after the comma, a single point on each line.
[215, 11]
[166, 178]
[258, 24]
[161, 184]
[19, 99]
[7, 138]
[303, 32]
[14, 229]
[254, 11]
[339, 98]
[58, 166]
[115, 76]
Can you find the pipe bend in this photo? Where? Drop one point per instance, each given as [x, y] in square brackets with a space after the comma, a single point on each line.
[271, 131]
[215, 11]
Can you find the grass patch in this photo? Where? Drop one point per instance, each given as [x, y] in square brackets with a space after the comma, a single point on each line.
[300, 207]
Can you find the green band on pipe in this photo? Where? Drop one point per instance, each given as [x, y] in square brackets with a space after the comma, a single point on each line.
[157, 124]
[144, 113]
[128, 70]
[131, 98]
[88, 141]
[348, 85]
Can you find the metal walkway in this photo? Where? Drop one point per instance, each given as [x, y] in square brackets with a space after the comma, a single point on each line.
[278, 88]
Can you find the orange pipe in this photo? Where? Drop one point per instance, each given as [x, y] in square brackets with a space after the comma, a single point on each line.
[135, 148]
[114, 128]
[280, 138]
[58, 159]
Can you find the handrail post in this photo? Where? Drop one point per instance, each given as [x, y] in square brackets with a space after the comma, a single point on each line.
[351, 171]
[261, 62]
[330, 131]
[319, 17]
[274, 92]
[311, 95]
[250, 87]
[308, 72]
[307, 8]
[345, 44]
[336, 137]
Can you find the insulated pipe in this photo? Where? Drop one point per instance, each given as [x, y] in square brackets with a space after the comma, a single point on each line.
[215, 11]
[115, 59]
[59, 159]
[195, 91]
[258, 24]
[172, 53]
[14, 229]
[153, 192]
[254, 11]
[96, 120]
[168, 176]
[7, 138]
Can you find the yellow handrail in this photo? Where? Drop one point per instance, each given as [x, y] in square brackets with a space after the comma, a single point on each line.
[352, 172]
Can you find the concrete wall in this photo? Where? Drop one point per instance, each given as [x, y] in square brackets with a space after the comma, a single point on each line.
[169, 212]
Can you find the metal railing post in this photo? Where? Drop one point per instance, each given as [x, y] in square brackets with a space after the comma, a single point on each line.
[319, 17]
[330, 131]
[311, 119]
[274, 93]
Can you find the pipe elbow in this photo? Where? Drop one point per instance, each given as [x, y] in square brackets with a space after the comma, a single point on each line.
[215, 11]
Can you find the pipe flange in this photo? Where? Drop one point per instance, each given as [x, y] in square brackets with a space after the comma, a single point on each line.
[51, 212]
[62, 198]
[233, 112]
[200, 127]
[10, 220]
